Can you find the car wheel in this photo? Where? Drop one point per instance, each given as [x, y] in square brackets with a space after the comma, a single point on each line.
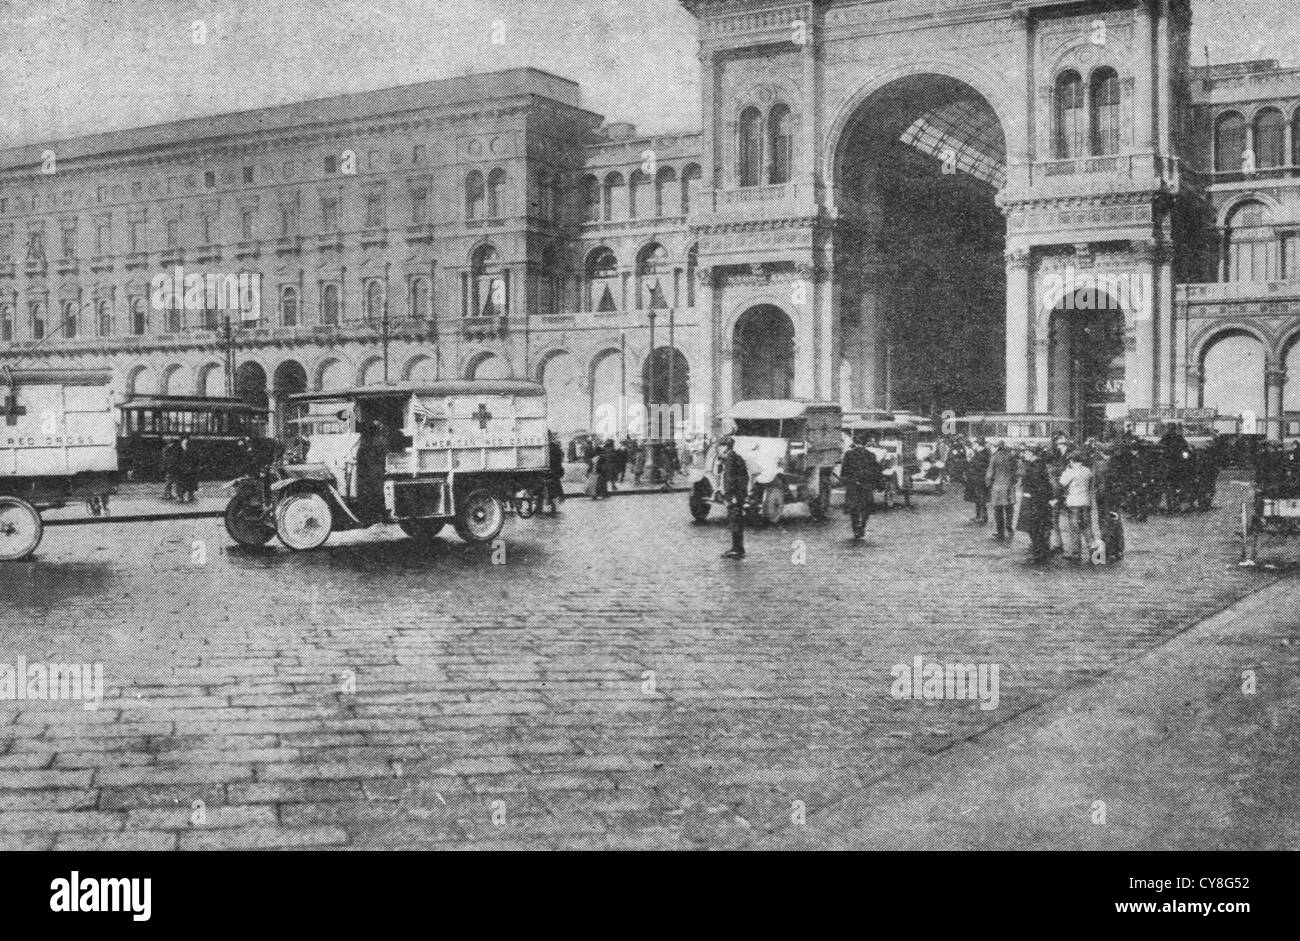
[773, 502]
[245, 520]
[303, 521]
[481, 517]
[20, 529]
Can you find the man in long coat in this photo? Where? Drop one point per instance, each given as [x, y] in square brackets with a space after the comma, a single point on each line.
[976, 487]
[1001, 481]
[735, 488]
[860, 472]
[1035, 518]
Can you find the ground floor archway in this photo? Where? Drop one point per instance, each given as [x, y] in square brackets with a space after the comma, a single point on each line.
[1233, 368]
[1086, 361]
[763, 352]
[289, 380]
[250, 384]
[566, 406]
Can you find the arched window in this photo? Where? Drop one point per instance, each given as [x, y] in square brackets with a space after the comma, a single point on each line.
[1105, 112]
[665, 195]
[614, 196]
[289, 307]
[557, 199]
[749, 147]
[104, 319]
[489, 283]
[548, 283]
[781, 138]
[419, 299]
[602, 281]
[1295, 150]
[636, 187]
[374, 299]
[691, 176]
[139, 320]
[6, 324]
[692, 265]
[329, 305]
[590, 199]
[496, 193]
[1229, 142]
[1249, 245]
[652, 272]
[474, 195]
[1270, 138]
[1068, 114]
[70, 320]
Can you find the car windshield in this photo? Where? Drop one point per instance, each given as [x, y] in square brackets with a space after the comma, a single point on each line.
[770, 427]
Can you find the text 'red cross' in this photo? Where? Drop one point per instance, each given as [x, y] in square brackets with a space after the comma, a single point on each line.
[13, 409]
[483, 415]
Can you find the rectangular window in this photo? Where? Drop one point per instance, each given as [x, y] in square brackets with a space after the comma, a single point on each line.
[329, 212]
[374, 211]
[209, 179]
[331, 164]
[6, 324]
[373, 160]
[137, 235]
[70, 240]
[37, 312]
[419, 207]
[246, 221]
[248, 174]
[286, 219]
[417, 154]
[173, 233]
[207, 230]
[104, 240]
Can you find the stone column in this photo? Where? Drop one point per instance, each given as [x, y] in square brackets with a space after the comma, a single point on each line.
[704, 390]
[868, 367]
[1275, 382]
[1163, 311]
[1164, 89]
[806, 333]
[1021, 310]
[1042, 360]
[1143, 90]
[829, 342]
[1193, 383]
[1140, 362]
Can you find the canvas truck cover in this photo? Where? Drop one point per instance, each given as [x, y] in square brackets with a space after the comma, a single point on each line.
[474, 430]
[56, 422]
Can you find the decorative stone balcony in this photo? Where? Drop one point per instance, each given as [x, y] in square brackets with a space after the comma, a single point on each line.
[419, 234]
[7, 269]
[373, 238]
[101, 263]
[171, 257]
[136, 260]
[207, 253]
[251, 249]
[36, 267]
[329, 242]
[484, 328]
[289, 245]
[67, 266]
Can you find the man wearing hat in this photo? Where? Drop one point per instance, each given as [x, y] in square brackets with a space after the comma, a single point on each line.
[1036, 492]
[860, 472]
[735, 487]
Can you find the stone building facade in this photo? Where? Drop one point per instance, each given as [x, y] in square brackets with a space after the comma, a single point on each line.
[970, 204]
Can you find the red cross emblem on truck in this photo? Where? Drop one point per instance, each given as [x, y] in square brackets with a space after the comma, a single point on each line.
[483, 415]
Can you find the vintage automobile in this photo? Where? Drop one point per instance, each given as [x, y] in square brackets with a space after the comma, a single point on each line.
[1017, 429]
[416, 454]
[790, 448]
[927, 440]
[58, 443]
[893, 443]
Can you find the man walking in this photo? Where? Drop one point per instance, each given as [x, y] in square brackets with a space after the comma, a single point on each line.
[860, 472]
[735, 488]
[1076, 482]
[1035, 506]
[555, 481]
[977, 469]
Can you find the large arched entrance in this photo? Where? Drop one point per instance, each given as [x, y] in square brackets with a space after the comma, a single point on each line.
[666, 375]
[764, 354]
[290, 379]
[1233, 374]
[1086, 356]
[250, 384]
[918, 165]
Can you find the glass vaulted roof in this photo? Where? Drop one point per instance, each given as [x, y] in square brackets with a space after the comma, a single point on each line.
[965, 134]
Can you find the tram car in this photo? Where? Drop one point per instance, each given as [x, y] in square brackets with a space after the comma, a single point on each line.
[226, 435]
[57, 446]
[419, 455]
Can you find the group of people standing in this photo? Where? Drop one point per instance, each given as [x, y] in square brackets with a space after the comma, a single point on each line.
[180, 471]
[1066, 498]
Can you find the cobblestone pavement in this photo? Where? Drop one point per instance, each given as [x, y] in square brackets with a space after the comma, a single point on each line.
[613, 683]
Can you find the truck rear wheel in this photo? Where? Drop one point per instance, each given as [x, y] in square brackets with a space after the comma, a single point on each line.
[20, 529]
[820, 504]
[481, 517]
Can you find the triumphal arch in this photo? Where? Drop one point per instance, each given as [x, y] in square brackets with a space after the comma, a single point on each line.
[946, 203]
